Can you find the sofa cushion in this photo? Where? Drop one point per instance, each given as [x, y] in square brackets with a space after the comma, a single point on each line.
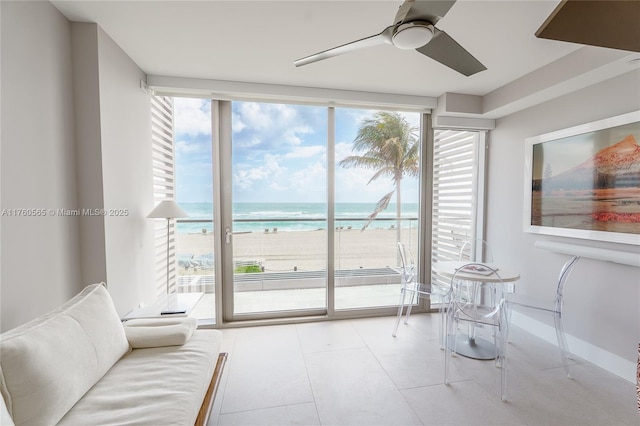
[48, 364]
[154, 386]
[151, 333]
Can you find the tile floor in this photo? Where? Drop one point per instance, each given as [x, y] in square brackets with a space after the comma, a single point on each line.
[353, 372]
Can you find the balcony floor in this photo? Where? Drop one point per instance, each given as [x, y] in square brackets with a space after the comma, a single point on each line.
[361, 296]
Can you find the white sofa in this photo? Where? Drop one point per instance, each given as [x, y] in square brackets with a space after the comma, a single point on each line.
[75, 366]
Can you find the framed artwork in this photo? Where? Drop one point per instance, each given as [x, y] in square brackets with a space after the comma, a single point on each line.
[584, 182]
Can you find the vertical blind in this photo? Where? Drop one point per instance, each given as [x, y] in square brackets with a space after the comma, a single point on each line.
[455, 184]
[163, 186]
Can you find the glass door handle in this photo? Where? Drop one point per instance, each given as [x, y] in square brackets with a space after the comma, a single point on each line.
[227, 235]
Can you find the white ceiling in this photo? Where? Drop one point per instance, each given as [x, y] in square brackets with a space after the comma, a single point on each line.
[257, 41]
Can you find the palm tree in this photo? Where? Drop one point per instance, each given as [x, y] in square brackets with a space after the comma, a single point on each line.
[390, 147]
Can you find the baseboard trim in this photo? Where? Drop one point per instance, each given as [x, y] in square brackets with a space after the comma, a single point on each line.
[595, 355]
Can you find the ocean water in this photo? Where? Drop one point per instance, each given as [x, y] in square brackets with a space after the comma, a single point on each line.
[257, 217]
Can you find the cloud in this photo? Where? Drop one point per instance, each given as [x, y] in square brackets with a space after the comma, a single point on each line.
[187, 147]
[343, 150]
[248, 143]
[352, 115]
[273, 126]
[311, 178]
[192, 116]
[237, 125]
[357, 179]
[275, 186]
[305, 152]
[246, 177]
[264, 116]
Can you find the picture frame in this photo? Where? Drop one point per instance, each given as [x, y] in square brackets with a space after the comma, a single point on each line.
[584, 181]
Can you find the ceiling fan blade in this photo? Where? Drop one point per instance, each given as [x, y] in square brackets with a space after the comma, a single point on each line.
[402, 11]
[383, 37]
[448, 52]
[612, 24]
[420, 10]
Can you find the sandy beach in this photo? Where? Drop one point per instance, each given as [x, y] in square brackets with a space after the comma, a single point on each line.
[306, 250]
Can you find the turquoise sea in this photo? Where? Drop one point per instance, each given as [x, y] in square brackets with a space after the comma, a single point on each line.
[257, 217]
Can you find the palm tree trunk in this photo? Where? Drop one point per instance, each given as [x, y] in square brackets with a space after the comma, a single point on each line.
[398, 211]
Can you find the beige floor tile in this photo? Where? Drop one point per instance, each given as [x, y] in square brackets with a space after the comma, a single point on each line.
[328, 336]
[266, 369]
[461, 403]
[299, 414]
[351, 388]
[353, 372]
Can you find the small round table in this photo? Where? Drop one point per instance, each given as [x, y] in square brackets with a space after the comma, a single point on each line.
[470, 346]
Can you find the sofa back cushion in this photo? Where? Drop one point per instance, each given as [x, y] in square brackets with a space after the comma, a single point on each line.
[48, 364]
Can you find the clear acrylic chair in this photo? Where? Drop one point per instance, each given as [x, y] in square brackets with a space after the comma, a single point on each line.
[412, 290]
[487, 310]
[554, 307]
[476, 250]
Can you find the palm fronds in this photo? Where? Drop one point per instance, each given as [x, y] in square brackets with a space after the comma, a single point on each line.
[380, 207]
[389, 145]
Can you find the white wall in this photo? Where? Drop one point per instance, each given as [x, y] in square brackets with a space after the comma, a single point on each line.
[113, 127]
[76, 134]
[127, 177]
[84, 42]
[602, 307]
[39, 255]
[113, 124]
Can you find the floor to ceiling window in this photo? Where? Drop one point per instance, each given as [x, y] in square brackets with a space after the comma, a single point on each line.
[297, 209]
[377, 169]
[195, 264]
[279, 208]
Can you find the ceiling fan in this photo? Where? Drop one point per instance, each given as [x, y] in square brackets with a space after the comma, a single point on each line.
[414, 28]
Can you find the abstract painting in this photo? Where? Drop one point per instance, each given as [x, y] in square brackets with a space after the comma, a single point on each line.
[584, 182]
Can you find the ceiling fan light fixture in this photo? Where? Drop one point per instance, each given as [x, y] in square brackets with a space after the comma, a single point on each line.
[414, 28]
[412, 35]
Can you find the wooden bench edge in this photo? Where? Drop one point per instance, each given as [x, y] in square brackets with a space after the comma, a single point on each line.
[209, 397]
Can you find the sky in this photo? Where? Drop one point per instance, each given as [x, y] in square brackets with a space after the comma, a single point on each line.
[279, 154]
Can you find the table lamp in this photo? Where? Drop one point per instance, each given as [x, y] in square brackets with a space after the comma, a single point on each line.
[167, 209]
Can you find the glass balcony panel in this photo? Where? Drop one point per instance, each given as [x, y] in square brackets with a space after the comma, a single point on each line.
[195, 266]
[281, 267]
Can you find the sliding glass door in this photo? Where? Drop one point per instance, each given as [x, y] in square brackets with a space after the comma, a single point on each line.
[297, 209]
[279, 208]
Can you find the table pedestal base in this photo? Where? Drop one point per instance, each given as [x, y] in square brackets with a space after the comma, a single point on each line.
[474, 347]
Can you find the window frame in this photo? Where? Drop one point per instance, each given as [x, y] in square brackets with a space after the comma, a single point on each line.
[221, 137]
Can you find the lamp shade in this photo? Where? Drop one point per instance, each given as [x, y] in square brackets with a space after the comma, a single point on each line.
[167, 209]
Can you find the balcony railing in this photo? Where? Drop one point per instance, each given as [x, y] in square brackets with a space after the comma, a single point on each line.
[361, 258]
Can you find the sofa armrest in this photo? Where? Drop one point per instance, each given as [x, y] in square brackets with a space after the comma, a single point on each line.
[153, 333]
